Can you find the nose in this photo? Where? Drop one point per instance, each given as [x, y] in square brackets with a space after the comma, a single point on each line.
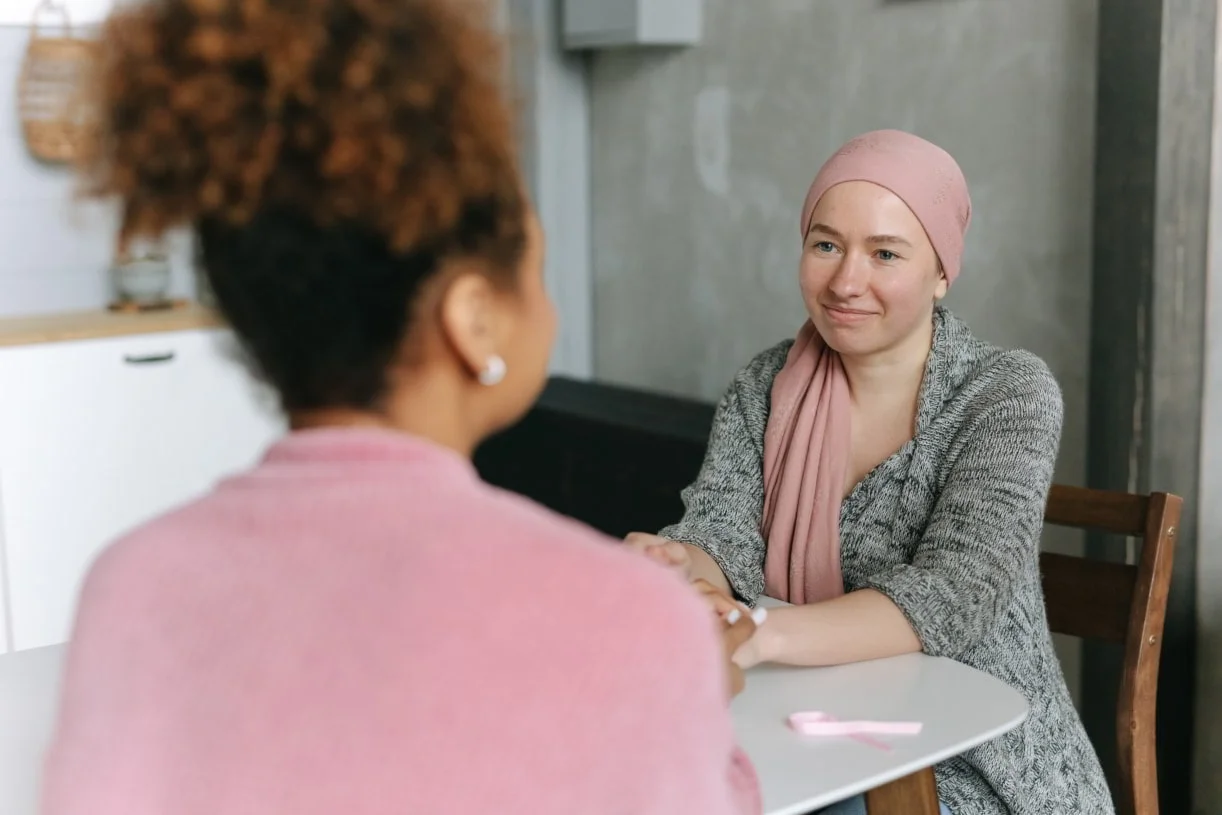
[851, 278]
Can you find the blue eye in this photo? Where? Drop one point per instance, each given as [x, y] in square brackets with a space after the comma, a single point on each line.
[887, 255]
[825, 246]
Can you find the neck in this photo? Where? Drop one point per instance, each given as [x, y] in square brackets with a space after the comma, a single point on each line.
[425, 409]
[895, 372]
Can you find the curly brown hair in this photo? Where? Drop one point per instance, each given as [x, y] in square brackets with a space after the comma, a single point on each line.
[331, 154]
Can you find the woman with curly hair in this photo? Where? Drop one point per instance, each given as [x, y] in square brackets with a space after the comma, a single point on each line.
[358, 624]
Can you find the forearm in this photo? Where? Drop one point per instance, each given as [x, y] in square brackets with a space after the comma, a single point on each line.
[859, 626]
[703, 566]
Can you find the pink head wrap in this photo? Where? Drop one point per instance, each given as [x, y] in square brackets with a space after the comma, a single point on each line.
[807, 440]
[921, 174]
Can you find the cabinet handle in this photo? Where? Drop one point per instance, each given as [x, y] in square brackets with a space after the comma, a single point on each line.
[147, 359]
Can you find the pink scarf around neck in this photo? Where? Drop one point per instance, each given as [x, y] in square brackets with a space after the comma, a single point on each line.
[806, 460]
[807, 443]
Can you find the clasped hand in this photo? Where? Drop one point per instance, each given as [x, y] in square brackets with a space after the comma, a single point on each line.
[738, 627]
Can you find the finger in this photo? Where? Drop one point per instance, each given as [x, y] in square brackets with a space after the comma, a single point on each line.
[649, 546]
[640, 541]
[655, 553]
[670, 553]
[676, 551]
[745, 658]
[714, 596]
[738, 632]
[660, 549]
[736, 679]
[724, 605]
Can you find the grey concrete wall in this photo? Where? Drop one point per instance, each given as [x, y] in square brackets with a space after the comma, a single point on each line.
[701, 158]
[1208, 735]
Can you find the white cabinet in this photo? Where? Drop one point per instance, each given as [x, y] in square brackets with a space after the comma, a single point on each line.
[99, 436]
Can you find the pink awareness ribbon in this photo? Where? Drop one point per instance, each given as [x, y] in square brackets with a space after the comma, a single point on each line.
[818, 723]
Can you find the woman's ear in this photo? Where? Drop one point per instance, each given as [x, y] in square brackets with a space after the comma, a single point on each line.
[943, 284]
[470, 320]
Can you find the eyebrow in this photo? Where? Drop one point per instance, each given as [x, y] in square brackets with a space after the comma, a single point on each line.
[875, 239]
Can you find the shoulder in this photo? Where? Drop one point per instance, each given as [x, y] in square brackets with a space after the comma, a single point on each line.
[642, 612]
[751, 387]
[534, 531]
[1018, 374]
[742, 411]
[578, 563]
[764, 366]
[983, 376]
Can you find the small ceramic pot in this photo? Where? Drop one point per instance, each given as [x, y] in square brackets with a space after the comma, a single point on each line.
[142, 280]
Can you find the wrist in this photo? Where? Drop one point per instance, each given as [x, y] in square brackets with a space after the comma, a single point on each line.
[769, 639]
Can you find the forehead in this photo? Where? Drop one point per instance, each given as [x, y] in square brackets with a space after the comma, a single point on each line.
[862, 206]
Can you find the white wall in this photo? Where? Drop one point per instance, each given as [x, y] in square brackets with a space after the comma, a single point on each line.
[81, 12]
[54, 251]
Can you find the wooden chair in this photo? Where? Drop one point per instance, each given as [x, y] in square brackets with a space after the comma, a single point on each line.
[1119, 603]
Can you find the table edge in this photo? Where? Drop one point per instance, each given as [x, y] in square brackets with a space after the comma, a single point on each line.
[819, 801]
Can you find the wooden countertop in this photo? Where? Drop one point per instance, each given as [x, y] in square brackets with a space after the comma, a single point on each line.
[89, 325]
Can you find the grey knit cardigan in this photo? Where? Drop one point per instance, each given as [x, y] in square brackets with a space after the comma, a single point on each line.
[949, 529]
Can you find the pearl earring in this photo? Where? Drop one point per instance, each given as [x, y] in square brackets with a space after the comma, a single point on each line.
[494, 371]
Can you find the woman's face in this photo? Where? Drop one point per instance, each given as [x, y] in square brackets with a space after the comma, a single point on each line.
[869, 275]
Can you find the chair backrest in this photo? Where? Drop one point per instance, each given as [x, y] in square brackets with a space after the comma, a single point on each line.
[1121, 603]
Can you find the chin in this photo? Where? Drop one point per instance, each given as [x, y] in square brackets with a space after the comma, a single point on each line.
[849, 347]
[844, 339]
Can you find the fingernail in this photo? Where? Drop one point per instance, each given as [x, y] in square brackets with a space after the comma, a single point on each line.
[733, 616]
[759, 615]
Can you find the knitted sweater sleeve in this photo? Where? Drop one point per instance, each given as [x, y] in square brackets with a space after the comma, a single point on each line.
[984, 533]
[724, 506]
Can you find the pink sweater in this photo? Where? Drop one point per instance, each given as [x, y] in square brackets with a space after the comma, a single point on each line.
[359, 625]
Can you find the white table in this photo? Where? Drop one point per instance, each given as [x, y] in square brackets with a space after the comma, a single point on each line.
[29, 692]
[960, 708]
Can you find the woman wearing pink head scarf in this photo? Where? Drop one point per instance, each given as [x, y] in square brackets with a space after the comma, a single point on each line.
[886, 472]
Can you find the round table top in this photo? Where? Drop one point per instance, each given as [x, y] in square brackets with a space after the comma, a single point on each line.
[959, 708]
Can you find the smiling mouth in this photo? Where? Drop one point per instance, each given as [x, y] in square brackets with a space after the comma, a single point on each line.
[848, 312]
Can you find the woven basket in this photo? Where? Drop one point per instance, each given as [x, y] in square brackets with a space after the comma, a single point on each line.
[51, 90]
